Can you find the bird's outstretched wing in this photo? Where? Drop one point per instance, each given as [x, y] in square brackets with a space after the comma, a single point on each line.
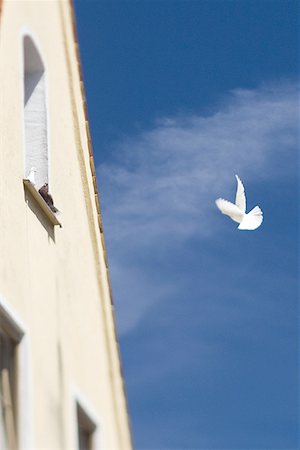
[240, 198]
[252, 220]
[230, 210]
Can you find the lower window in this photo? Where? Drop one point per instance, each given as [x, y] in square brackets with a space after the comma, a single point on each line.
[86, 429]
[8, 391]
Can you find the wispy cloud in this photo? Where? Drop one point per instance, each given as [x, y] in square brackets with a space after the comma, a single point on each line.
[159, 188]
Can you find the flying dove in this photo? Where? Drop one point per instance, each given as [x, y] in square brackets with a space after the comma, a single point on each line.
[237, 211]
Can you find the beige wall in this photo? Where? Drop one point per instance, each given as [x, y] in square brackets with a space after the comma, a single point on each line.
[56, 279]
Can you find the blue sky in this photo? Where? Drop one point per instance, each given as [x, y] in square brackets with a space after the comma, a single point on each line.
[182, 95]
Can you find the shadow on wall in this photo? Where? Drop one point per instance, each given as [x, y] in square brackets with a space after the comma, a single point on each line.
[40, 215]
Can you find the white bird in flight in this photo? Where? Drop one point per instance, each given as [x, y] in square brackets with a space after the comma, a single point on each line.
[237, 211]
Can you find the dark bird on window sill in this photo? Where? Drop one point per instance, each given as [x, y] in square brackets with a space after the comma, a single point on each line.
[44, 192]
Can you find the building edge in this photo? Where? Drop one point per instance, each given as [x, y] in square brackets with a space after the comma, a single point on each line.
[99, 224]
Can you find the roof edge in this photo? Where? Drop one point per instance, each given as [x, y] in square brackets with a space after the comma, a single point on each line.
[97, 200]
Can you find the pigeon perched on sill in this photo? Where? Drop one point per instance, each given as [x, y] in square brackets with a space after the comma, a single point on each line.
[237, 211]
[31, 176]
[44, 192]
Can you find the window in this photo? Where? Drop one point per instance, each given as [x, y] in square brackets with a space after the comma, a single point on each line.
[35, 114]
[10, 338]
[8, 425]
[86, 429]
[36, 129]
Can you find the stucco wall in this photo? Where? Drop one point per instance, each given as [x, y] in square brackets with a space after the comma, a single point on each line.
[56, 279]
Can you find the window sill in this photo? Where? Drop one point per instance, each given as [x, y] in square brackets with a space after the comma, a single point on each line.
[29, 187]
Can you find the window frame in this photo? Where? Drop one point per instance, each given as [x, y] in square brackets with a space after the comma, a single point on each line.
[26, 33]
[15, 330]
[92, 423]
[28, 186]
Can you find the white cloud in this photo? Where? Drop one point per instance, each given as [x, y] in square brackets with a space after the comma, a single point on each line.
[160, 188]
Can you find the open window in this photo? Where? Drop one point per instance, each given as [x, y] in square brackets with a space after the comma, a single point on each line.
[35, 114]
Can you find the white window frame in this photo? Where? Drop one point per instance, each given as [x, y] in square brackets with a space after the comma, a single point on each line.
[26, 32]
[78, 399]
[17, 331]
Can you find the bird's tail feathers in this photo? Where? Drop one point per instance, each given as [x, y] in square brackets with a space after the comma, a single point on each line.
[252, 220]
[54, 209]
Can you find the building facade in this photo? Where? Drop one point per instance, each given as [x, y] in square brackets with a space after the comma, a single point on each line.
[61, 383]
